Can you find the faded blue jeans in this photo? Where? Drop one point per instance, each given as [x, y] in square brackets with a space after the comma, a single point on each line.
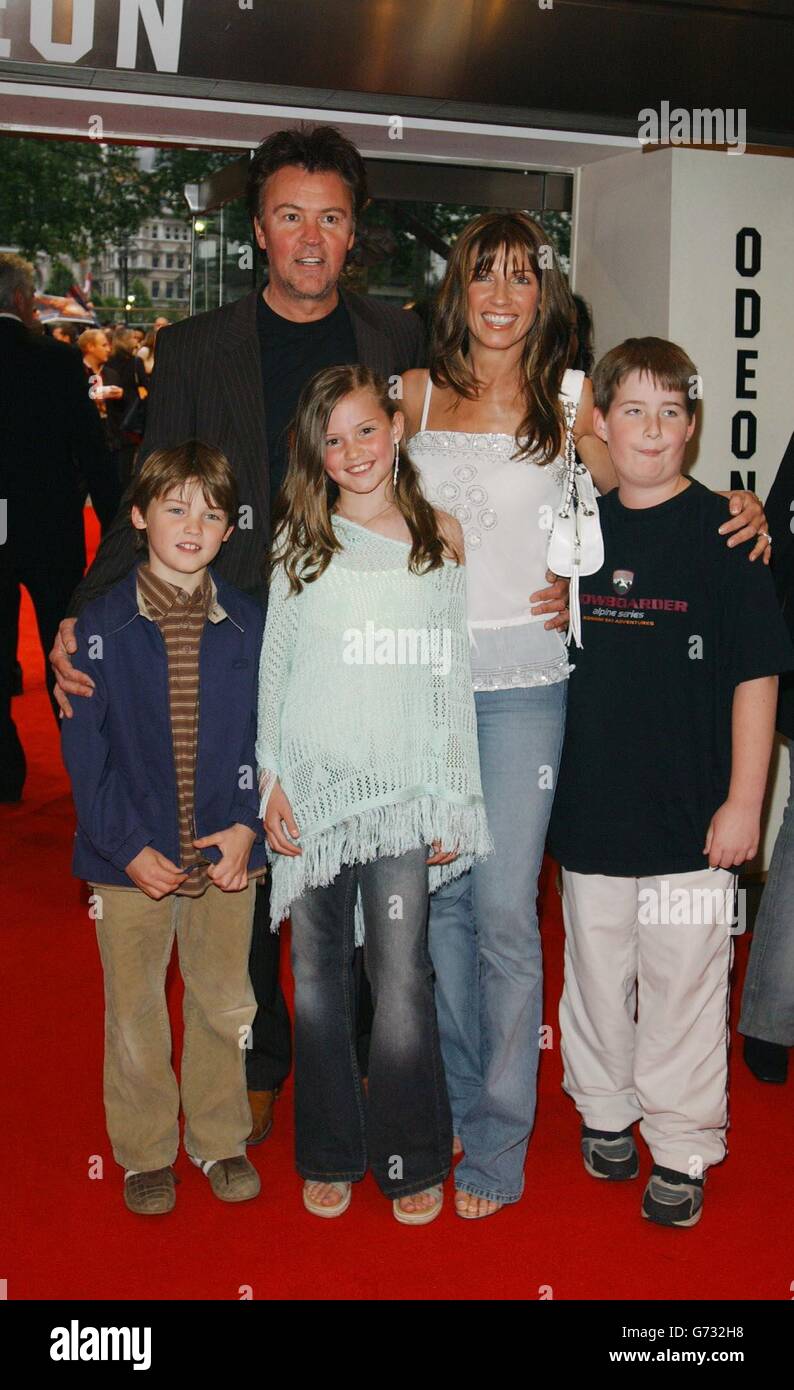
[401, 1126]
[485, 945]
[768, 998]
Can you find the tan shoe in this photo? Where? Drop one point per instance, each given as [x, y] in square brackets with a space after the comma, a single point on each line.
[261, 1103]
[234, 1179]
[151, 1194]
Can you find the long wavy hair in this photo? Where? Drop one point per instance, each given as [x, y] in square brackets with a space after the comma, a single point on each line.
[547, 345]
[304, 537]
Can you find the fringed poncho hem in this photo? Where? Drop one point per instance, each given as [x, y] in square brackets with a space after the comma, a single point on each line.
[379, 832]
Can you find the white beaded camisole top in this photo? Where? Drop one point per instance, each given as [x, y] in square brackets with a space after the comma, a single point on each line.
[505, 506]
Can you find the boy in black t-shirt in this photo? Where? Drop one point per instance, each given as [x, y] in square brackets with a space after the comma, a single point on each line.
[669, 731]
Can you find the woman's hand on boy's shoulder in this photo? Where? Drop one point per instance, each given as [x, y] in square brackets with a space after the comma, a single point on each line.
[748, 522]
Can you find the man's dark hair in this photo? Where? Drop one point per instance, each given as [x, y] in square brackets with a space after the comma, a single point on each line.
[71, 330]
[319, 150]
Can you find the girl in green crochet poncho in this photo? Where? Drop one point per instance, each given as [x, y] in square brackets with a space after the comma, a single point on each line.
[370, 782]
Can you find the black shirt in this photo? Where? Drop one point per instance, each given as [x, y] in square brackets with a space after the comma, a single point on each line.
[291, 354]
[671, 624]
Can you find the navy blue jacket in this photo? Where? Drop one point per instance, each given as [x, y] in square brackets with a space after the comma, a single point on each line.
[118, 747]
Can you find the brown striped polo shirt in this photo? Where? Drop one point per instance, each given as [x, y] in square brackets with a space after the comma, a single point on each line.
[181, 617]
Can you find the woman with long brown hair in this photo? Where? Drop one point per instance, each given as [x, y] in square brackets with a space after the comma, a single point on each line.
[367, 756]
[486, 431]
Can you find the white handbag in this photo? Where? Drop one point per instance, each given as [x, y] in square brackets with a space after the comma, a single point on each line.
[576, 545]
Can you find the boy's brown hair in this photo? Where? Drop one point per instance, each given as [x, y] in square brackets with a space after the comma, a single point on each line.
[664, 363]
[193, 461]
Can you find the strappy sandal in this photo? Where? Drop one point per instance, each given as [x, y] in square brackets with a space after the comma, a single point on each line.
[316, 1208]
[425, 1215]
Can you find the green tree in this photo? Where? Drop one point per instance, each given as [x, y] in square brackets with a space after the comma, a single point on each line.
[61, 279]
[174, 168]
[46, 203]
[72, 197]
[143, 299]
[130, 194]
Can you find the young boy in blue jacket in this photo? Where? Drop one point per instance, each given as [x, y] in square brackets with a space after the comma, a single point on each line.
[161, 758]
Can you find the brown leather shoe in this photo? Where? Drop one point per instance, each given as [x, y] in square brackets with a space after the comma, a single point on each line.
[151, 1194]
[234, 1179]
[261, 1103]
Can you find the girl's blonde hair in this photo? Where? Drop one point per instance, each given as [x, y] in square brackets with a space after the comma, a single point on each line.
[547, 345]
[304, 538]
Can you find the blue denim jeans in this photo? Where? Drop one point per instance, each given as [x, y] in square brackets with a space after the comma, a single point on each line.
[768, 998]
[485, 944]
[402, 1127]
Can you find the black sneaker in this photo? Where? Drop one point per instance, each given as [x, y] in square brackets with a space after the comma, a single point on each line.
[610, 1154]
[672, 1198]
[767, 1061]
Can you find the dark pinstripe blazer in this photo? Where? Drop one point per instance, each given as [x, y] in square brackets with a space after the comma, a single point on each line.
[207, 385]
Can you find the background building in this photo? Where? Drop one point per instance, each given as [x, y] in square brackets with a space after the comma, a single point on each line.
[158, 258]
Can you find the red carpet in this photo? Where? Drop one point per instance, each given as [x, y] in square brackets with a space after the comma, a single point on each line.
[68, 1235]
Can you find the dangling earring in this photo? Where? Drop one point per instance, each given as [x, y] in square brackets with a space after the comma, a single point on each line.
[396, 464]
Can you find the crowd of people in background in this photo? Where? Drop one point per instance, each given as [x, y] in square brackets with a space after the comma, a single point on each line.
[119, 362]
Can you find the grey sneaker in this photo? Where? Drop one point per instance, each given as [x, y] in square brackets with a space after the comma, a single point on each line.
[610, 1154]
[151, 1193]
[232, 1179]
[672, 1198]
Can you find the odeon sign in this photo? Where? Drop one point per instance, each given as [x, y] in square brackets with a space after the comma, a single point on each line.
[161, 20]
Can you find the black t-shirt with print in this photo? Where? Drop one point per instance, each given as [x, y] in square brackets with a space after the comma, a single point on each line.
[291, 354]
[671, 624]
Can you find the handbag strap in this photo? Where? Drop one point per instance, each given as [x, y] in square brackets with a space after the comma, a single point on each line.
[569, 484]
[570, 504]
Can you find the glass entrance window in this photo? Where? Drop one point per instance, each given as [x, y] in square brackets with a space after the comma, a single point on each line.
[225, 260]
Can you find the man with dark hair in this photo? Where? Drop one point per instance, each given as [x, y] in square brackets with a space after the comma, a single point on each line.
[66, 333]
[231, 377]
